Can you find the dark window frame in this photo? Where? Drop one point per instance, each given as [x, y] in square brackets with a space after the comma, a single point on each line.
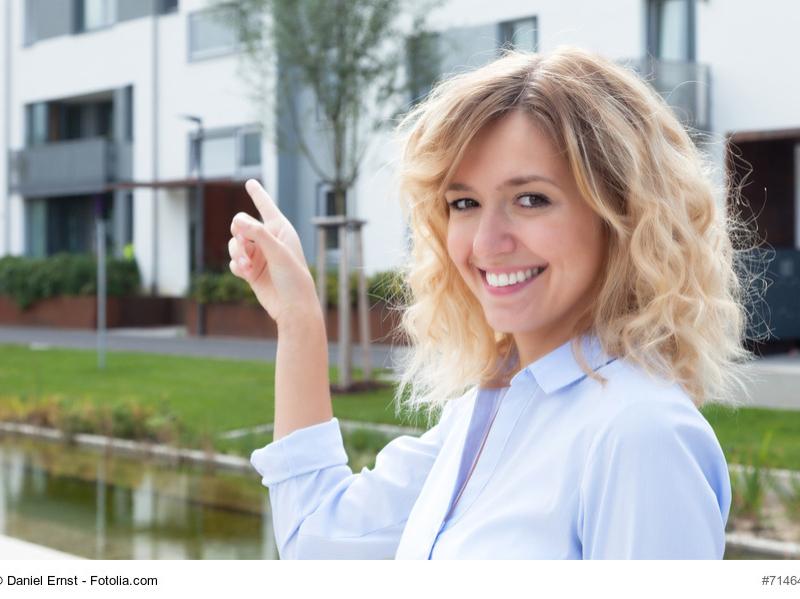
[505, 30]
[654, 28]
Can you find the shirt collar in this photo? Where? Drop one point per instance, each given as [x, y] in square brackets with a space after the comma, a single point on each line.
[560, 368]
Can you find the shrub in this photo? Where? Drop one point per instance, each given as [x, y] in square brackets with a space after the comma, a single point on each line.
[789, 496]
[749, 486]
[127, 420]
[27, 280]
[210, 288]
[224, 287]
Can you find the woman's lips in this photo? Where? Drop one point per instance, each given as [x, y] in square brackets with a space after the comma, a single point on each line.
[508, 289]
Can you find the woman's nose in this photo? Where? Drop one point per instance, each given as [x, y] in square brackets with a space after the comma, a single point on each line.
[494, 235]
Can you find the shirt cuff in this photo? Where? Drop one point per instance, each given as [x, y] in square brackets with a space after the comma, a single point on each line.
[302, 451]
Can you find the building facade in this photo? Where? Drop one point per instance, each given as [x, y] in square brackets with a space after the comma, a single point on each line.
[94, 95]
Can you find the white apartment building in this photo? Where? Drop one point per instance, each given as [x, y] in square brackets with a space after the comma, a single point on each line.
[93, 93]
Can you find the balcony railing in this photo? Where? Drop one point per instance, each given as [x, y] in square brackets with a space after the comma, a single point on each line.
[70, 167]
[686, 86]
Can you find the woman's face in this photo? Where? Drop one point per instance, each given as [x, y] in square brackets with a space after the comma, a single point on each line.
[515, 209]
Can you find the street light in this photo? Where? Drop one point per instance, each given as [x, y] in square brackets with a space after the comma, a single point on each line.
[199, 214]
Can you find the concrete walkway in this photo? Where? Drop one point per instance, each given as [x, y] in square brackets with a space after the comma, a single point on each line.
[776, 382]
[173, 341]
[13, 549]
[776, 378]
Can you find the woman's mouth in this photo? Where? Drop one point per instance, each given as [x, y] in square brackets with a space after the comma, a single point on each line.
[504, 283]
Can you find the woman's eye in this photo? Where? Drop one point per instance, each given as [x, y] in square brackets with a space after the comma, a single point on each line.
[533, 200]
[462, 204]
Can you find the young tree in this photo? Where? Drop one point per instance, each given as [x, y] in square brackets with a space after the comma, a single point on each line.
[351, 55]
[361, 61]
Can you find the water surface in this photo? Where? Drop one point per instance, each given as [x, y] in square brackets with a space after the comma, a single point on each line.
[105, 506]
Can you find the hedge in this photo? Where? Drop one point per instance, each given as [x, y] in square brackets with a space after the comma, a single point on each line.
[225, 287]
[27, 280]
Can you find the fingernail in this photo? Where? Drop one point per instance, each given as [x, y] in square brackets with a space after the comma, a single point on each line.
[240, 238]
[243, 261]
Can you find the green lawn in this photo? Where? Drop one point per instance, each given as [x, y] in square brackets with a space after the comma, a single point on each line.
[741, 433]
[209, 396]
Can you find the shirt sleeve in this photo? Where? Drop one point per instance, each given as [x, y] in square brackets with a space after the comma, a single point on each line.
[322, 510]
[656, 486]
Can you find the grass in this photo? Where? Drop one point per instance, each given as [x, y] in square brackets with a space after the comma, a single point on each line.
[209, 396]
[741, 434]
[749, 487]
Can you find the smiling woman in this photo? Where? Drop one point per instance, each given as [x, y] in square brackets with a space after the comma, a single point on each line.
[571, 159]
[511, 224]
[573, 300]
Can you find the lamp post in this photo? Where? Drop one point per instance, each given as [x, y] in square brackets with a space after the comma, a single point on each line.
[100, 232]
[199, 214]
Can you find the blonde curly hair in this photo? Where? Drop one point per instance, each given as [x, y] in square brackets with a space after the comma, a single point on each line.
[671, 297]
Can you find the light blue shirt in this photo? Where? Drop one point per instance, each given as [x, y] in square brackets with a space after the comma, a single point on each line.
[569, 469]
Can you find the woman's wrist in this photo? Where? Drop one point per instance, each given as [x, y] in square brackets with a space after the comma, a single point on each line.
[301, 318]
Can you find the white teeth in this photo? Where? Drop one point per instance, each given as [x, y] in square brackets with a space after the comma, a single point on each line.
[505, 279]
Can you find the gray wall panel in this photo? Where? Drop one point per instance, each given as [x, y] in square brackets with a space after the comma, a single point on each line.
[133, 9]
[48, 18]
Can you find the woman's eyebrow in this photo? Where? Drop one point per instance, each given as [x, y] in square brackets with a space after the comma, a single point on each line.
[513, 182]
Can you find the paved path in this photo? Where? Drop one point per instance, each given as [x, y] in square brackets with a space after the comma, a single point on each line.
[776, 382]
[12, 549]
[174, 341]
[776, 378]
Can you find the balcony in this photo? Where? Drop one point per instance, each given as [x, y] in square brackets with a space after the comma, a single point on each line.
[80, 166]
[686, 86]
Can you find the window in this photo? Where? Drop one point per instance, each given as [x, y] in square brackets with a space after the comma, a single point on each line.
[167, 6]
[210, 34]
[94, 14]
[36, 123]
[520, 34]
[62, 224]
[249, 149]
[104, 119]
[229, 152]
[127, 233]
[72, 115]
[670, 31]
[128, 108]
[31, 35]
[422, 64]
[219, 156]
[36, 227]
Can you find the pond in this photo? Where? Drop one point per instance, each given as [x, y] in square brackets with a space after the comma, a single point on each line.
[104, 506]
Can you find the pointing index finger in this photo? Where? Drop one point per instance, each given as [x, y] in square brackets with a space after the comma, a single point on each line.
[265, 204]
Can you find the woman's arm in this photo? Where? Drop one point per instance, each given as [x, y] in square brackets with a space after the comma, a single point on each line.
[655, 486]
[322, 510]
[270, 258]
[302, 387]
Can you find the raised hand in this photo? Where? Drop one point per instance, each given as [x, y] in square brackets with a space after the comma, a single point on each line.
[268, 255]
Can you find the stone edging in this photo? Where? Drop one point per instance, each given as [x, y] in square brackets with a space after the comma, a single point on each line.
[346, 426]
[734, 539]
[126, 446]
[777, 549]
